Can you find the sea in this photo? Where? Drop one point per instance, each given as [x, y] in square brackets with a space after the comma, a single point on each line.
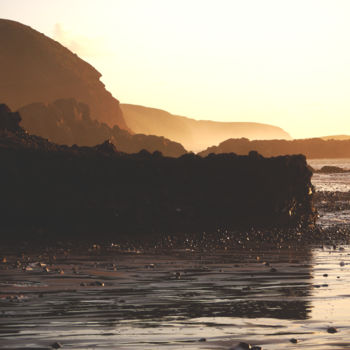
[331, 182]
[288, 297]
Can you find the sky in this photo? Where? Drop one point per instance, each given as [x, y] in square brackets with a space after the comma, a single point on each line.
[280, 62]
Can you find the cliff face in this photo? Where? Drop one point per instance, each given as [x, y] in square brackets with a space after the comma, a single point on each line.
[35, 68]
[68, 122]
[311, 148]
[77, 192]
[194, 135]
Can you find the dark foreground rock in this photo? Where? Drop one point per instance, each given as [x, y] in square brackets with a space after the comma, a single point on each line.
[88, 191]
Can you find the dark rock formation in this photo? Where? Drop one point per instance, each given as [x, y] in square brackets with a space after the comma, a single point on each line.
[35, 68]
[194, 135]
[86, 192]
[68, 122]
[328, 169]
[311, 148]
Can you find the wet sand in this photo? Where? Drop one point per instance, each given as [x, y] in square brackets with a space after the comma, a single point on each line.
[115, 299]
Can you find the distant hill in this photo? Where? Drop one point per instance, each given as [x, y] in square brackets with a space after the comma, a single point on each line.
[68, 122]
[336, 137]
[312, 148]
[35, 68]
[194, 135]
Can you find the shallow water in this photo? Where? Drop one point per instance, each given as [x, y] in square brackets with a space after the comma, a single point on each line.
[331, 182]
[225, 297]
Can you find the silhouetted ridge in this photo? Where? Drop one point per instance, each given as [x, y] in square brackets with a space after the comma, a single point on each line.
[34, 68]
[194, 135]
[311, 148]
[68, 122]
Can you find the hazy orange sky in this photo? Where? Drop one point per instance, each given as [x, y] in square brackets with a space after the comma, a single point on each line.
[279, 62]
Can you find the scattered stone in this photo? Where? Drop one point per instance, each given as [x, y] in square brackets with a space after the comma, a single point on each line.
[56, 345]
[202, 339]
[293, 340]
[332, 330]
[241, 346]
[245, 346]
[273, 269]
[325, 275]
[177, 275]
[342, 263]
[98, 283]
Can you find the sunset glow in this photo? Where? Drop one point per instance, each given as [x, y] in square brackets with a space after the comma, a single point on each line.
[284, 63]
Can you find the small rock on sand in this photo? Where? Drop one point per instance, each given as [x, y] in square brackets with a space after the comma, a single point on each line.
[245, 346]
[332, 330]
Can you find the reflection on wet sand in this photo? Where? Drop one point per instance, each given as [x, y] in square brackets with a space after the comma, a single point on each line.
[130, 301]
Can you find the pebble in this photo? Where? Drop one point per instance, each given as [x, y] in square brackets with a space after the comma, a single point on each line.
[342, 263]
[293, 340]
[98, 283]
[273, 269]
[202, 339]
[245, 346]
[325, 275]
[332, 330]
[241, 346]
[56, 345]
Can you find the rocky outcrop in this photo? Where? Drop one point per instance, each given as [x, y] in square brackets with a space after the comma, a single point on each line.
[68, 122]
[329, 169]
[312, 148]
[82, 192]
[194, 135]
[35, 68]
